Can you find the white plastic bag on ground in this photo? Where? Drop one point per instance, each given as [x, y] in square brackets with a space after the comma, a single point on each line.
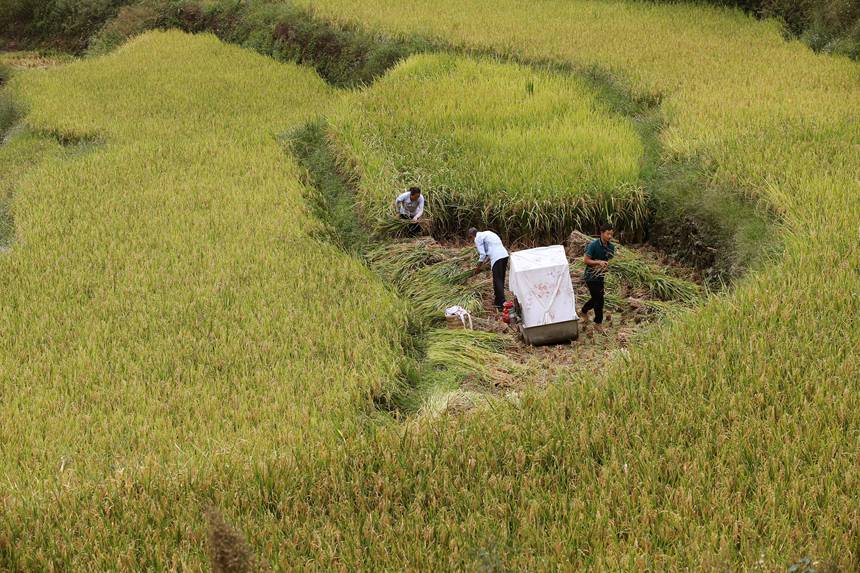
[460, 313]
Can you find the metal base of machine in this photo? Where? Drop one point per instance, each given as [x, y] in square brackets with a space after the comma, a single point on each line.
[550, 333]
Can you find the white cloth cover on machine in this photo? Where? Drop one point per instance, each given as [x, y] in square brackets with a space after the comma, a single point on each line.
[540, 279]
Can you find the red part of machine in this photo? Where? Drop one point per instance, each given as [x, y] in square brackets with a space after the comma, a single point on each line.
[506, 313]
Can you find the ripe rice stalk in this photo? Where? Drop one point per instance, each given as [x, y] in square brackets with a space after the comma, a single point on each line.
[450, 360]
[469, 353]
[452, 402]
[396, 261]
[663, 307]
[641, 274]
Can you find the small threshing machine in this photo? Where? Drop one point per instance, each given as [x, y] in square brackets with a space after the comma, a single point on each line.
[544, 299]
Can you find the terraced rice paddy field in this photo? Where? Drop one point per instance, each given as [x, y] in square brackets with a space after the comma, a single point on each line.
[205, 313]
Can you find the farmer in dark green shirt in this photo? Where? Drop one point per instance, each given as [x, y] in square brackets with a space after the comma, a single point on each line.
[597, 256]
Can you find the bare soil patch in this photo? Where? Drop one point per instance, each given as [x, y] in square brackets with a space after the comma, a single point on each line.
[631, 311]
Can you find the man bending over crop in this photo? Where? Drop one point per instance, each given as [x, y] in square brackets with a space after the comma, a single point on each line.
[490, 247]
[597, 256]
[410, 205]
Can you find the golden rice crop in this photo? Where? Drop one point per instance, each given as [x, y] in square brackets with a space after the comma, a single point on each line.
[18, 156]
[428, 278]
[165, 318]
[522, 151]
[450, 360]
[729, 438]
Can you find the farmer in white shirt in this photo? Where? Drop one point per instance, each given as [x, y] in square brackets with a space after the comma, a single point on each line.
[410, 206]
[490, 247]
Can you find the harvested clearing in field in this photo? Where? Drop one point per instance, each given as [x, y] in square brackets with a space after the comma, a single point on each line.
[644, 289]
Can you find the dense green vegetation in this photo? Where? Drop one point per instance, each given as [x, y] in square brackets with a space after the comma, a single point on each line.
[528, 153]
[65, 24]
[831, 26]
[342, 55]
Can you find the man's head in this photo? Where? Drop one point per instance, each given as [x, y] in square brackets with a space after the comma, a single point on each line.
[414, 193]
[472, 232]
[606, 232]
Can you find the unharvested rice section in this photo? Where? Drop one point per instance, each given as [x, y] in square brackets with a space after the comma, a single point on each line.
[528, 153]
[729, 438]
[168, 327]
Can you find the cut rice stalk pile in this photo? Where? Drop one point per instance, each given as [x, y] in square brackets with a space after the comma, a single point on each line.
[430, 277]
[460, 370]
[638, 273]
[469, 352]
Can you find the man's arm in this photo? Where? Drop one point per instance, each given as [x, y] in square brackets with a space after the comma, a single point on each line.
[420, 210]
[593, 262]
[482, 253]
[397, 203]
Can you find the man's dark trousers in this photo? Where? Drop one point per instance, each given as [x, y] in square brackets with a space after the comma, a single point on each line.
[412, 229]
[500, 269]
[595, 288]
